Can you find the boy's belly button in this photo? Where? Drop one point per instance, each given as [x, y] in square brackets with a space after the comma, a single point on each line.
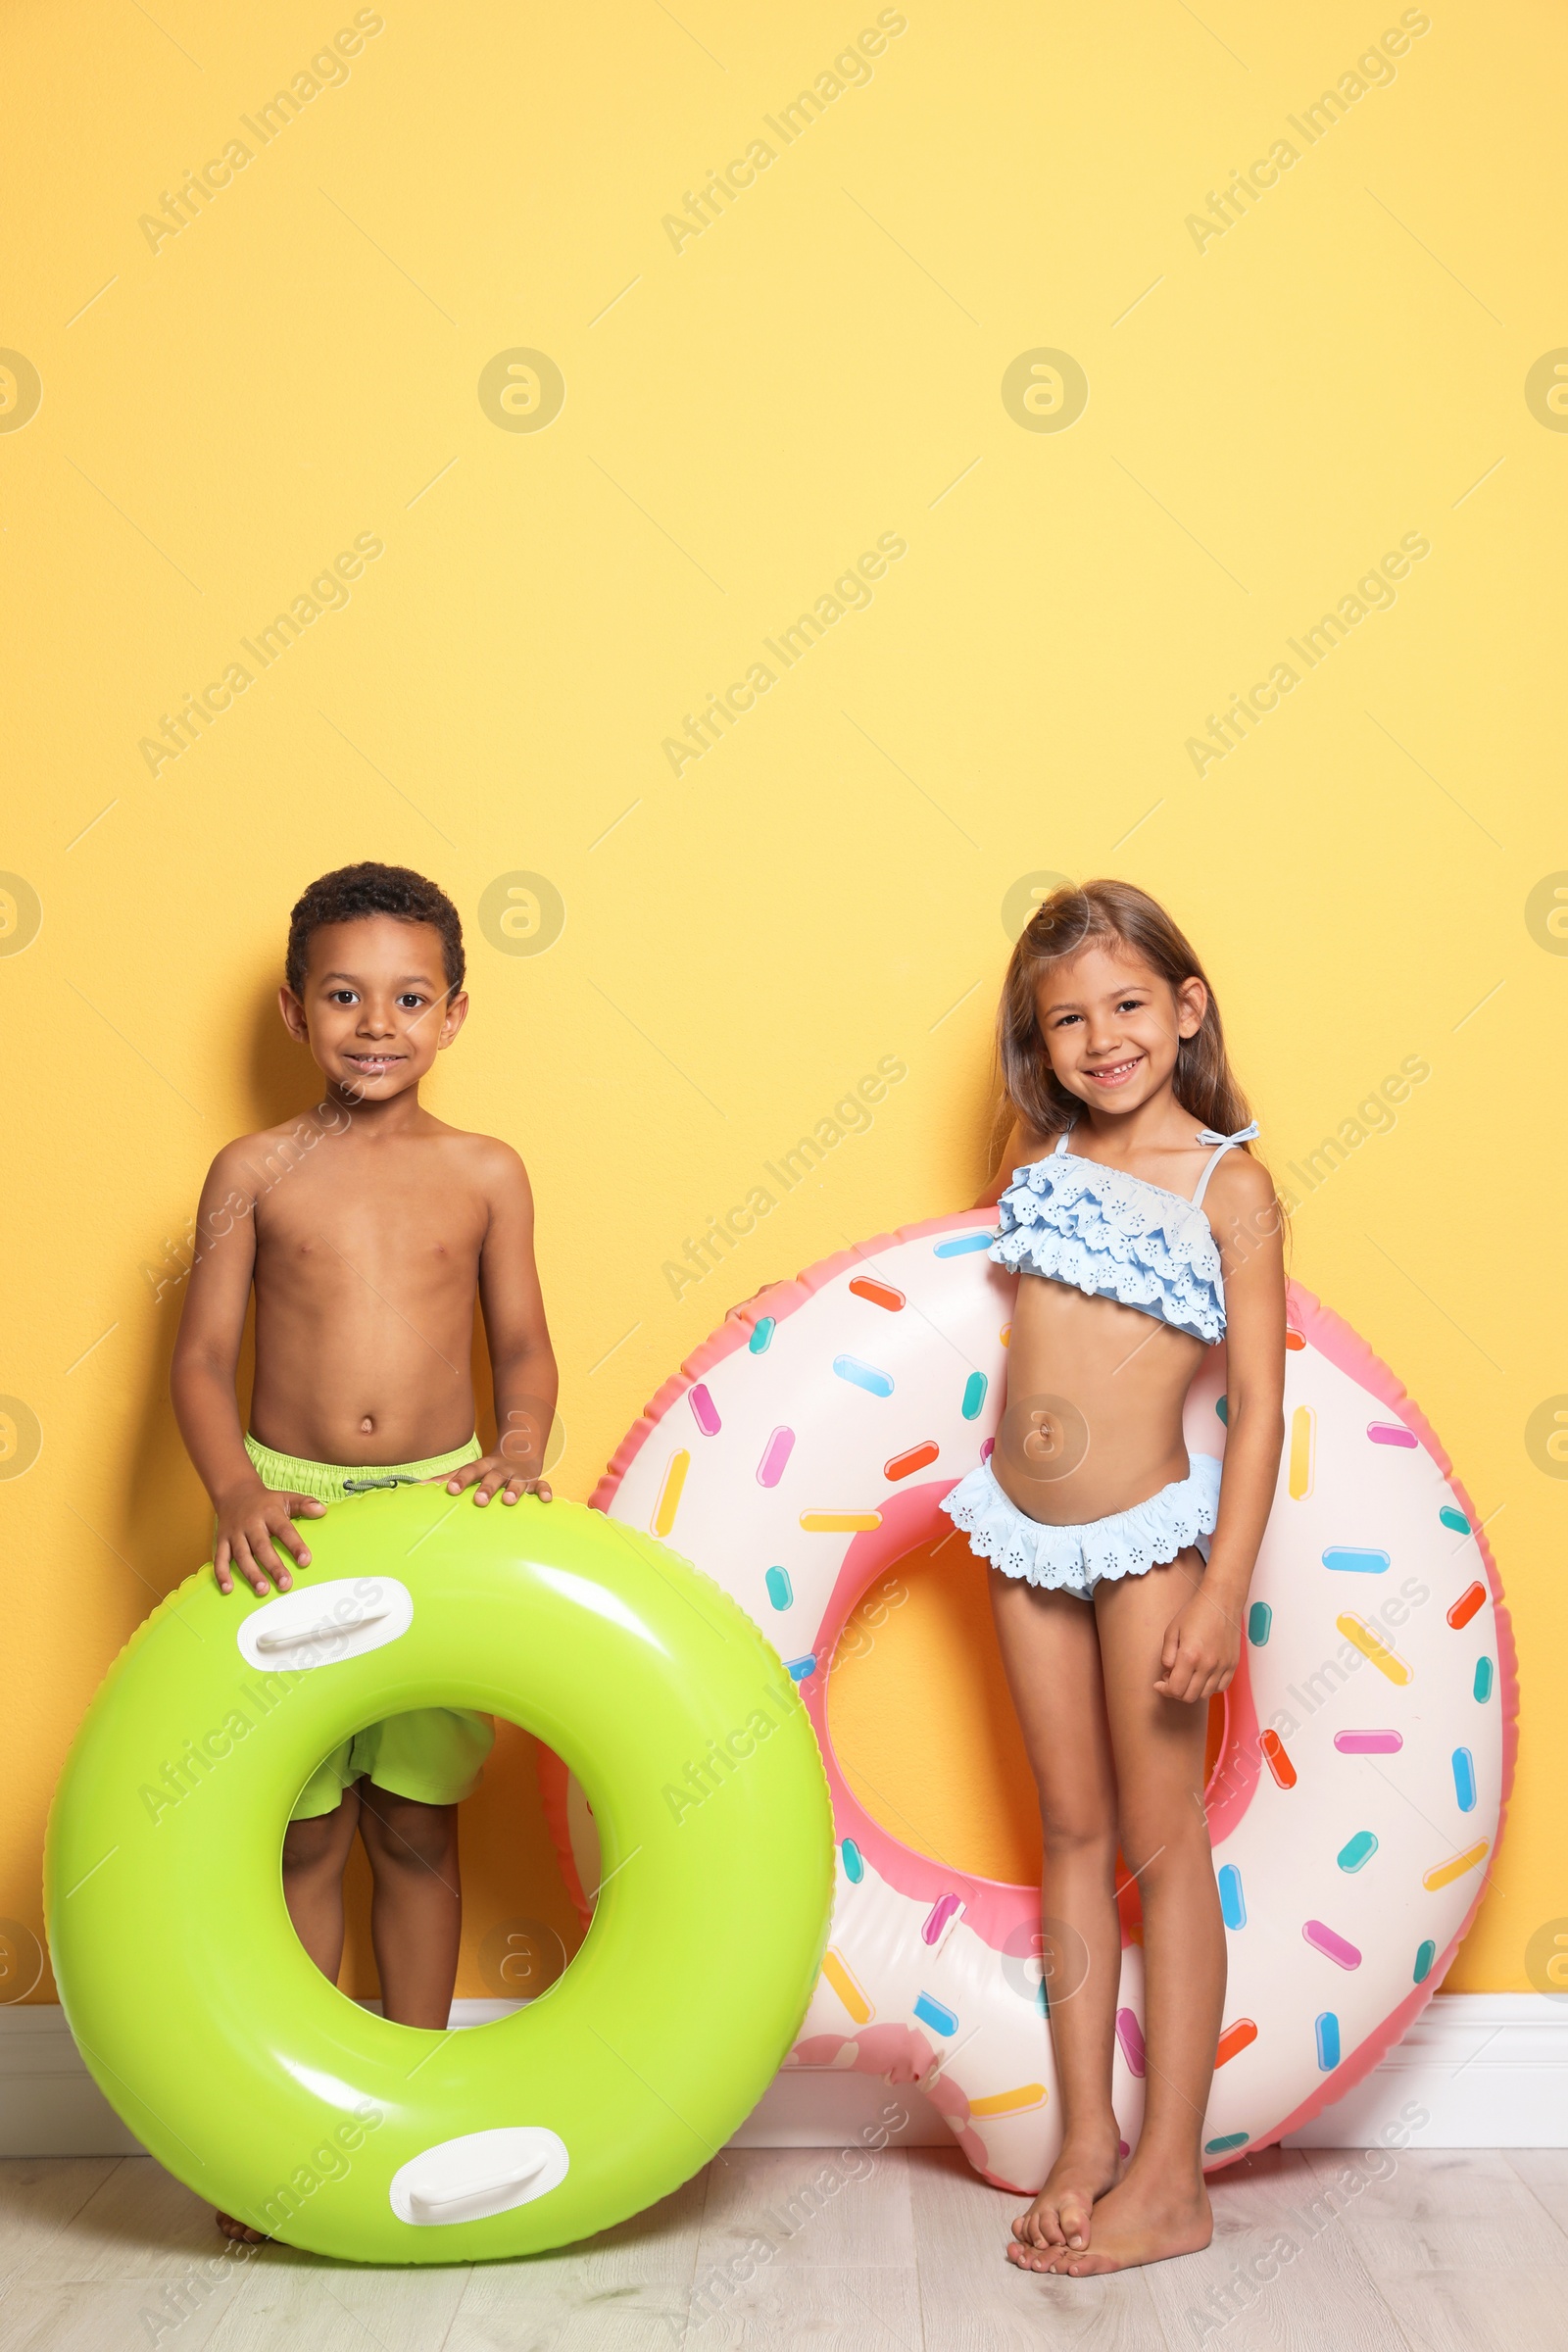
[366, 1425]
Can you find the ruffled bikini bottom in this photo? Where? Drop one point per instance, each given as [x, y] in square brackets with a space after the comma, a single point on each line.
[1075, 1560]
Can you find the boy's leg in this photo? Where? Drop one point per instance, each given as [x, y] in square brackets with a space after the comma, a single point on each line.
[315, 1851]
[416, 1908]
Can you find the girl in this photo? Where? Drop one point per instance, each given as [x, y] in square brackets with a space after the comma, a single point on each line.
[1144, 1232]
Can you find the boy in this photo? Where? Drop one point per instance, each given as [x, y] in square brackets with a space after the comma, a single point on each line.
[365, 1230]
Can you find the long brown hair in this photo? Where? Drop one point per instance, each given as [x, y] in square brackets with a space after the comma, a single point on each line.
[1116, 915]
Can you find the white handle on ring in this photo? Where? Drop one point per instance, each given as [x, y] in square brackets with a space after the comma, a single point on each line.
[478, 2175]
[290, 1637]
[498, 2182]
[324, 1625]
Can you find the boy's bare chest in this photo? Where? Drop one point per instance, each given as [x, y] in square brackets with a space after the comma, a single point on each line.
[385, 1216]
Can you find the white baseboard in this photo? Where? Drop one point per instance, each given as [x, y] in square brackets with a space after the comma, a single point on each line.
[1490, 2070]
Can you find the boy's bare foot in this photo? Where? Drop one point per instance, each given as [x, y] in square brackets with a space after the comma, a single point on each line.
[1058, 2218]
[241, 2232]
[1141, 2220]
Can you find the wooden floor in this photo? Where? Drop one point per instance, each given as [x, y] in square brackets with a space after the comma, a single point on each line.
[1459, 2251]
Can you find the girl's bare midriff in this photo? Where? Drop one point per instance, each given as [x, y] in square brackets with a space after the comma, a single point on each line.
[1093, 1422]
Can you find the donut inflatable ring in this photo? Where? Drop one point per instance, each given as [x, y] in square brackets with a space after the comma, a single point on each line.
[270, 2094]
[1368, 1733]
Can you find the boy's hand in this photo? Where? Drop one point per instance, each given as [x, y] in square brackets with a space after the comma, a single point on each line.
[1200, 1651]
[492, 1473]
[252, 1521]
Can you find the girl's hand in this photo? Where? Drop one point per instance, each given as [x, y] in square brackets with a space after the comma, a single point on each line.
[492, 1473]
[252, 1521]
[1202, 1647]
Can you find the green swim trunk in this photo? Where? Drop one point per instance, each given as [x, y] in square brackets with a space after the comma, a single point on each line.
[433, 1753]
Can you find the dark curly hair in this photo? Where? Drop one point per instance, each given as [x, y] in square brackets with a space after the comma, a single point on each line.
[351, 890]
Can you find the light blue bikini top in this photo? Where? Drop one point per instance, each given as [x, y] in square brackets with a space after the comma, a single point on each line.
[1113, 1235]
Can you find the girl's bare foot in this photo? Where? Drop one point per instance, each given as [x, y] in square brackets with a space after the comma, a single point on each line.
[241, 2232]
[1143, 2219]
[1058, 2218]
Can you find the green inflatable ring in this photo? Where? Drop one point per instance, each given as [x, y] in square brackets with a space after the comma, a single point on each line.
[269, 2092]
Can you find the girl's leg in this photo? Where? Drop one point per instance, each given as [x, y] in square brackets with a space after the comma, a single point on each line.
[416, 1905]
[1051, 1649]
[1161, 2206]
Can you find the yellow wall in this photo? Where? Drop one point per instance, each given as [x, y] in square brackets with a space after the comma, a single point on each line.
[747, 411]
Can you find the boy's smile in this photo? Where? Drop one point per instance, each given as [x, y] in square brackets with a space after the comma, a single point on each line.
[375, 1008]
[374, 1065]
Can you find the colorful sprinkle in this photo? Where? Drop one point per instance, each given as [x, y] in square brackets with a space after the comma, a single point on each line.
[705, 1412]
[839, 1523]
[1465, 1607]
[800, 1670]
[1454, 1519]
[912, 1459]
[1224, 2145]
[1426, 1953]
[1278, 1762]
[1390, 1433]
[945, 1908]
[863, 1375]
[1129, 2034]
[1369, 1744]
[854, 1861]
[1235, 2039]
[962, 1244]
[1445, 1873]
[1304, 1421]
[1232, 1901]
[1327, 2028]
[1333, 1947]
[780, 1592]
[934, 2014]
[879, 1294]
[1004, 1334]
[845, 1985]
[1221, 1406]
[1385, 1660]
[669, 1503]
[974, 1396]
[1357, 1851]
[987, 1450]
[1011, 2102]
[762, 1331]
[1483, 1681]
[1355, 1559]
[1293, 1337]
[1259, 1623]
[776, 1453]
[1464, 1780]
